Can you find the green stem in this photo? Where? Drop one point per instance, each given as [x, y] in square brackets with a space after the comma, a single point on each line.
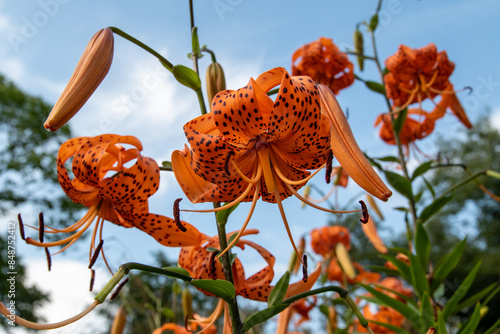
[397, 140]
[461, 183]
[212, 54]
[162, 60]
[494, 174]
[201, 101]
[228, 273]
[342, 293]
[142, 267]
[101, 296]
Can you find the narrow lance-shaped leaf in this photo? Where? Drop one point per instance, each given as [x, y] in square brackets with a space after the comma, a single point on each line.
[261, 316]
[279, 291]
[434, 207]
[400, 121]
[460, 292]
[422, 246]
[419, 281]
[444, 267]
[471, 325]
[400, 183]
[220, 288]
[422, 169]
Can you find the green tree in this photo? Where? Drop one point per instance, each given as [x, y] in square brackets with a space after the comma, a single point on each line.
[472, 212]
[28, 180]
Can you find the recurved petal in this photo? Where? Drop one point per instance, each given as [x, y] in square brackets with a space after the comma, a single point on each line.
[195, 187]
[79, 193]
[301, 286]
[370, 230]
[347, 151]
[89, 73]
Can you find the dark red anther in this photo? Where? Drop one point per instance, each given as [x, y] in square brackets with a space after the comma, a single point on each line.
[41, 228]
[226, 163]
[177, 215]
[305, 276]
[49, 259]
[118, 289]
[329, 167]
[21, 226]
[92, 278]
[186, 323]
[96, 254]
[364, 215]
[212, 270]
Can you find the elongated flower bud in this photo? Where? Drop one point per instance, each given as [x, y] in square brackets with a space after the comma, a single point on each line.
[119, 321]
[187, 303]
[216, 81]
[90, 71]
[359, 48]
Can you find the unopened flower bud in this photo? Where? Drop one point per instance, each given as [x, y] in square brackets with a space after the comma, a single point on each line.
[119, 321]
[359, 48]
[216, 81]
[187, 303]
[90, 71]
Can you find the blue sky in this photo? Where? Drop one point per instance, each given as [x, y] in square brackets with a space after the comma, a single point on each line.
[41, 42]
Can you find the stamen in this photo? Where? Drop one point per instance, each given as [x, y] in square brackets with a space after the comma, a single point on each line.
[186, 324]
[364, 215]
[257, 175]
[226, 163]
[92, 278]
[177, 215]
[41, 228]
[96, 254]
[245, 224]
[21, 226]
[284, 178]
[212, 269]
[305, 276]
[118, 289]
[287, 227]
[243, 176]
[299, 196]
[329, 167]
[49, 259]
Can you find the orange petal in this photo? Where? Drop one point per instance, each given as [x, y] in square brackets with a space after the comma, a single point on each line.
[300, 286]
[347, 151]
[370, 230]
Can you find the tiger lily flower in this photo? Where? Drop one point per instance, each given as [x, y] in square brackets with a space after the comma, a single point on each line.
[324, 63]
[417, 74]
[120, 198]
[89, 73]
[325, 239]
[252, 147]
[200, 264]
[384, 315]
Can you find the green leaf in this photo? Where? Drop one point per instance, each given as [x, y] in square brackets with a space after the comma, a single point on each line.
[487, 300]
[430, 187]
[403, 268]
[178, 270]
[473, 299]
[409, 300]
[434, 207]
[166, 164]
[460, 292]
[279, 291]
[397, 305]
[400, 121]
[447, 263]
[261, 316]
[382, 269]
[388, 158]
[223, 216]
[419, 281]
[399, 183]
[423, 168]
[187, 77]
[492, 328]
[471, 325]
[393, 328]
[426, 312]
[376, 87]
[373, 22]
[422, 246]
[218, 287]
[324, 309]
[441, 323]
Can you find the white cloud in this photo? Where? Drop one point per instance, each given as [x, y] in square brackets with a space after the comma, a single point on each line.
[495, 119]
[68, 285]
